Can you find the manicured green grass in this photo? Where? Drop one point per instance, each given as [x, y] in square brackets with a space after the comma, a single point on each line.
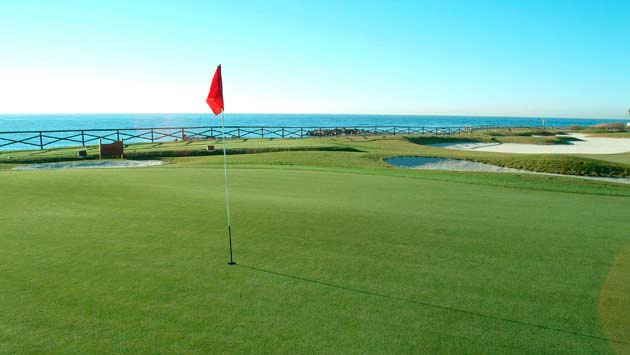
[336, 252]
[622, 158]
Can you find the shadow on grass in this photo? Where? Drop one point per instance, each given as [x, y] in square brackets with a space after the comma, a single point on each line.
[436, 306]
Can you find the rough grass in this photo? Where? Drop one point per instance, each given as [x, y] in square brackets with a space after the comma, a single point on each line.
[611, 134]
[524, 132]
[171, 149]
[546, 140]
[614, 130]
[562, 164]
[524, 136]
[612, 126]
[348, 259]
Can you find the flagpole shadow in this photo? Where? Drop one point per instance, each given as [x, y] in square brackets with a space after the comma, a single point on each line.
[431, 305]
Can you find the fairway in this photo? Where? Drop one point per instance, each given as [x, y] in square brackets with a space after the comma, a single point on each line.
[330, 260]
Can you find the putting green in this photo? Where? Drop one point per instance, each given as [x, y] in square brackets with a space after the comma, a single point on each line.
[332, 261]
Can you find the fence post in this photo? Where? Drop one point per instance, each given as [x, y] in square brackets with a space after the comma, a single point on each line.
[41, 140]
[394, 130]
[118, 135]
[211, 133]
[282, 132]
[83, 138]
[151, 135]
[238, 131]
[301, 132]
[262, 133]
[183, 134]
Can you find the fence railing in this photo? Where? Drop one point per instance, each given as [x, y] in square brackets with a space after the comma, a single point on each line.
[24, 140]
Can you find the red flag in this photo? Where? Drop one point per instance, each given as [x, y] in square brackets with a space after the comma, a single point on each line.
[215, 97]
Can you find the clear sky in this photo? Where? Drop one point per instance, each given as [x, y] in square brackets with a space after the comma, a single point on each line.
[522, 58]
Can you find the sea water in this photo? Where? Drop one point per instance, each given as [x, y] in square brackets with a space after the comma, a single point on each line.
[11, 124]
[44, 122]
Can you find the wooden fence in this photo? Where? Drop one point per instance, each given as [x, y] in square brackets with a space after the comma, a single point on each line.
[23, 140]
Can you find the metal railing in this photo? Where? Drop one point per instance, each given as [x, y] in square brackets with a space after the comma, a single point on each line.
[24, 140]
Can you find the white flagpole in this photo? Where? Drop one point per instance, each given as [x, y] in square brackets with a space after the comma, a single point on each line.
[227, 195]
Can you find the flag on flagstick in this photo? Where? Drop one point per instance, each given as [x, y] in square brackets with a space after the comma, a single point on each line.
[215, 101]
[215, 96]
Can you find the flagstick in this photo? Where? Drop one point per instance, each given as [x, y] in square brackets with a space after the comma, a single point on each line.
[227, 196]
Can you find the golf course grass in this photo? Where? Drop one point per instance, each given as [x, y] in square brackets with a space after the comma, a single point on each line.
[372, 150]
[336, 251]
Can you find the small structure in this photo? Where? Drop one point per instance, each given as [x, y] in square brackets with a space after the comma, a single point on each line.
[211, 148]
[82, 153]
[113, 149]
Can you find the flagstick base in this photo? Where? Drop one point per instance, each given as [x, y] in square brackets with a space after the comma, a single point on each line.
[231, 263]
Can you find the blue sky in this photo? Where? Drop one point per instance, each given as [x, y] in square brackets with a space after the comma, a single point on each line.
[520, 58]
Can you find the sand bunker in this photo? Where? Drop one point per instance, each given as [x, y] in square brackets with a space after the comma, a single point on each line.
[425, 163]
[92, 164]
[585, 145]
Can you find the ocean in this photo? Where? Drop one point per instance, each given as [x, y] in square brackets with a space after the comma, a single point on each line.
[45, 122]
[48, 122]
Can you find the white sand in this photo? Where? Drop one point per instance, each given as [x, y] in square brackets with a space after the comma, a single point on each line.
[92, 164]
[588, 145]
[425, 163]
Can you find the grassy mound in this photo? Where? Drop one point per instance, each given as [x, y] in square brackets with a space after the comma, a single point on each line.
[614, 126]
[520, 132]
[524, 136]
[562, 164]
[612, 130]
[543, 140]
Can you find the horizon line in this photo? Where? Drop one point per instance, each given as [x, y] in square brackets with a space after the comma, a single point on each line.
[302, 113]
